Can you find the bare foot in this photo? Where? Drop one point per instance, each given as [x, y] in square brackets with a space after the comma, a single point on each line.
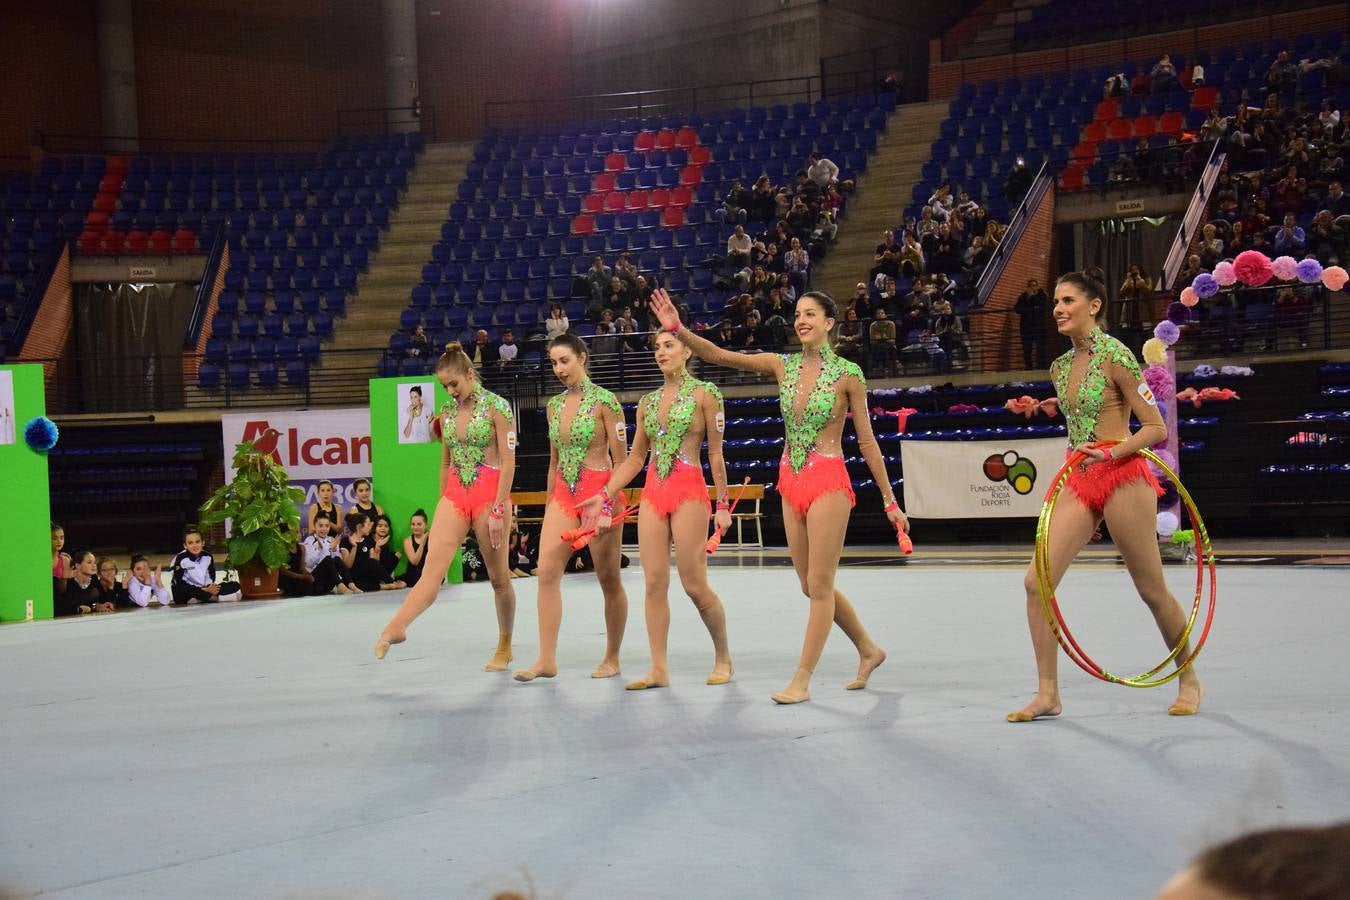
[652, 679]
[538, 670]
[722, 673]
[390, 635]
[867, 663]
[341, 588]
[1188, 700]
[1042, 705]
[500, 660]
[608, 668]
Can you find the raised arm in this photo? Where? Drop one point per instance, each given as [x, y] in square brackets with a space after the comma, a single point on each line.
[669, 316]
[856, 391]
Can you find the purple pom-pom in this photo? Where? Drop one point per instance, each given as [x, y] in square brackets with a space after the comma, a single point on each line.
[1178, 313]
[1283, 267]
[1169, 494]
[1167, 332]
[1308, 271]
[1205, 286]
[1160, 382]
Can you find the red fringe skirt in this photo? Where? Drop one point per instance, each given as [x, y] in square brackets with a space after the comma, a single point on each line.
[821, 475]
[478, 496]
[591, 482]
[1095, 484]
[685, 483]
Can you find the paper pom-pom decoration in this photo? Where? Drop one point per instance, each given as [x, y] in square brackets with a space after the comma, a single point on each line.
[1252, 267]
[1168, 523]
[1160, 382]
[1178, 314]
[1334, 278]
[1224, 274]
[1308, 271]
[1155, 352]
[1205, 286]
[1189, 297]
[1167, 332]
[1284, 268]
[1169, 495]
[41, 433]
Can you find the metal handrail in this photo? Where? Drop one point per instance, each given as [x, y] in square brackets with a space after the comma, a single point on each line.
[422, 115]
[1017, 226]
[202, 300]
[1195, 211]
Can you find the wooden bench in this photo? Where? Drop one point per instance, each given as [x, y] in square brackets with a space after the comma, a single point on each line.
[530, 510]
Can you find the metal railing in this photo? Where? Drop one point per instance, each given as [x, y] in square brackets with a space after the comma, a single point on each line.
[1042, 183]
[1195, 212]
[862, 71]
[202, 299]
[387, 119]
[99, 144]
[1247, 326]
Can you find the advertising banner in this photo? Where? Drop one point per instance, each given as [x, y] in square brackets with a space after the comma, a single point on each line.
[979, 479]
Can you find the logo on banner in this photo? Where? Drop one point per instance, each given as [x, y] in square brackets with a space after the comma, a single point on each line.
[1018, 471]
[332, 450]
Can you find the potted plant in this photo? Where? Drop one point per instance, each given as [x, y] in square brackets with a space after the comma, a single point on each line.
[264, 519]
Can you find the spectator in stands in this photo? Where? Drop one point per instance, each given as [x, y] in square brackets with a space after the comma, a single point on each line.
[1117, 85]
[1032, 310]
[1216, 125]
[1290, 193]
[1135, 292]
[941, 202]
[739, 246]
[851, 339]
[1211, 246]
[482, 352]
[606, 341]
[886, 258]
[761, 282]
[1261, 245]
[1189, 269]
[725, 335]
[1197, 76]
[419, 345]
[619, 296]
[60, 560]
[786, 290]
[775, 305]
[889, 298]
[860, 295]
[1163, 78]
[631, 340]
[1141, 83]
[797, 262]
[946, 325]
[1329, 116]
[1018, 182]
[556, 323]
[946, 255]
[1327, 238]
[1282, 76]
[1336, 202]
[976, 256]
[194, 574]
[822, 171]
[626, 271]
[112, 593]
[881, 341]
[1240, 239]
[508, 351]
[598, 277]
[735, 205]
[1147, 167]
[1290, 239]
[762, 200]
[927, 224]
[800, 219]
[144, 585]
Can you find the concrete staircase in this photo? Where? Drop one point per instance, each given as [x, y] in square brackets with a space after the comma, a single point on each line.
[383, 291]
[883, 193]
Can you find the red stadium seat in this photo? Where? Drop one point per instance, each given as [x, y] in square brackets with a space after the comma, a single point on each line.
[614, 201]
[105, 202]
[659, 199]
[1071, 178]
[184, 241]
[1095, 132]
[686, 139]
[665, 139]
[1107, 110]
[637, 201]
[1204, 97]
[117, 165]
[644, 140]
[594, 203]
[1084, 153]
[691, 175]
[604, 182]
[137, 241]
[1120, 130]
[160, 241]
[616, 162]
[700, 155]
[1145, 126]
[117, 242]
[583, 224]
[97, 220]
[672, 217]
[90, 242]
[681, 197]
[1171, 123]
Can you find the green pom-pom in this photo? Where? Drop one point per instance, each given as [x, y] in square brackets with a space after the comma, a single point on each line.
[1183, 537]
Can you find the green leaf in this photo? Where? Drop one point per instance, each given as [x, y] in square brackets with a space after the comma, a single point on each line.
[273, 550]
[243, 547]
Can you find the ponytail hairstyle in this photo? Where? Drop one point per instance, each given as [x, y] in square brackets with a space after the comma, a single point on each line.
[827, 306]
[455, 359]
[569, 341]
[1092, 284]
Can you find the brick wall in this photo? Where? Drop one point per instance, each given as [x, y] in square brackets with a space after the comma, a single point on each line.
[470, 52]
[192, 360]
[945, 77]
[995, 332]
[50, 336]
[50, 53]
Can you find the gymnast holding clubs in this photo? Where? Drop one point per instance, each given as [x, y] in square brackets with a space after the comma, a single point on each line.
[672, 425]
[588, 439]
[478, 463]
[817, 388]
[1098, 382]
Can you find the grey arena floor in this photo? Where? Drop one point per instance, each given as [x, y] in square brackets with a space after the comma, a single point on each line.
[259, 750]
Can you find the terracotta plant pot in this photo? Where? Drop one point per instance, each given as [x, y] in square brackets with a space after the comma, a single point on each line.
[258, 582]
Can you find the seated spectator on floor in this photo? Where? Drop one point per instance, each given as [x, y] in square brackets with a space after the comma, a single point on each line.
[1336, 202]
[316, 568]
[482, 352]
[144, 585]
[81, 594]
[383, 536]
[881, 341]
[508, 351]
[1163, 78]
[194, 574]
[738, 248]
[112, 593]
[419, 344]
[1290, 239]
[358, 552]
[556, 323]
[822, 171]
[735, 205]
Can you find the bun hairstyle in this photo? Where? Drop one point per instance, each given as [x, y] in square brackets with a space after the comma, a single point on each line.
[571, 342]
[1092, 282]
[455, 358]
[825, 302]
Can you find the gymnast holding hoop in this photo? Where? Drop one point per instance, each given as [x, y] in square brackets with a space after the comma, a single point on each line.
[1098, 384]
[816, 388]
[673, 422]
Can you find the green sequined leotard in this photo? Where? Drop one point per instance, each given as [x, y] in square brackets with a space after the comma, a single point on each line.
[1082, 411]
[667, 439]
[802, 433]
[467, 455]
[573, 446]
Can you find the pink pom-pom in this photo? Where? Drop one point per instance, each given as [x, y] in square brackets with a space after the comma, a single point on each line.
[1223, 273]
[1188, 296]
[1334, 278]
[1252, 267]
[1284, 268]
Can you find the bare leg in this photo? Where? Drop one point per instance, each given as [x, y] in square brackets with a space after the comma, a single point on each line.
[654, 552]
[819, 539]
[1131, 516]
[690, 526]
[448, 529]
[1071, 527]
[605, 551]
[504, 595]
[553, 556]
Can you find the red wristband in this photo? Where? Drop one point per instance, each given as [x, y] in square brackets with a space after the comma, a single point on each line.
[676, 329]
[895, 504]
[1107, 452]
